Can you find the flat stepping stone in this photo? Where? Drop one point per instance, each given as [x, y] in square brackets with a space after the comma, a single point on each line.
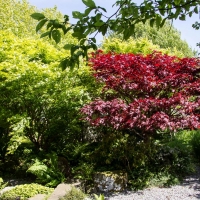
[6, 189]
[38, 197]
[60, 191]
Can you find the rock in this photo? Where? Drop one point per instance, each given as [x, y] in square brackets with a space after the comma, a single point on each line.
[6, 189]
[60, 191]
[38, 197]
[108, 181]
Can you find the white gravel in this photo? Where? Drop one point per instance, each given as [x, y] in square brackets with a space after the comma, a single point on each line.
[188, 190]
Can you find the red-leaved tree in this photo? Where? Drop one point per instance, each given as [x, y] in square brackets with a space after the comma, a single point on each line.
[145, 94]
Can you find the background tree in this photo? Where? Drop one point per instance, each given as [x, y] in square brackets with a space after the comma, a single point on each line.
[167, 37]
[36, 91]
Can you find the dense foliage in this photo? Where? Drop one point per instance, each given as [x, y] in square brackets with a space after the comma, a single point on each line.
[26, 191]
[15, 16]
[146, 94]
[137, 46]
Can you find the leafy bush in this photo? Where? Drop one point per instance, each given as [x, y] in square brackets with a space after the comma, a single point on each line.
[26, 191]
[74, 194]
[47, 171]
[195, 143]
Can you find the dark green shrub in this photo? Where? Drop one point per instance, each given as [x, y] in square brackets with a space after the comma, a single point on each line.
[195, 143]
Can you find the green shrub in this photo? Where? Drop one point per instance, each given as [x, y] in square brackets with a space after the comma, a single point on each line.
[2, 184]
[26, 191]
[195, 143]
[74, 194]
[47, 171]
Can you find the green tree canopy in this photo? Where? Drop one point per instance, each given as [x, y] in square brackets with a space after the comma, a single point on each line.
[123, 21]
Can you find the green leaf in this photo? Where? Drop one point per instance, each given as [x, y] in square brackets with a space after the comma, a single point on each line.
[162, 11]
[98, 17]
[182, 17]
[89, 3]
[190, 14]
[177, 13]
[103, 29]
[102, 9]
[65, 30]
[177, 2]
[45, 34]
[56, 36]
[68, 46]
[158, 20]
[99, 23]
[63, 64]
[132, 29]
[162, 23]
[152, 22]
[196, 10]
[93, 39]
[50, 23]
[37, 16]
[126, 34]
[78, 35]
[41, 24]
[135, 12]
[87, 11]
[77, 15]
[73, 49]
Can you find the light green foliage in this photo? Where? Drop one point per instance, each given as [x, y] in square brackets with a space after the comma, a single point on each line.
[167, 39]
[100, 197]
[2, 184]
[47, 171]
[140, 45]
[15, 16]
[26, 191]
[74, 194]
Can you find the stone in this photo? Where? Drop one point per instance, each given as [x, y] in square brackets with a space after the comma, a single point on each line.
[60, 191]
[115, 181]
[6, 189]
[38, 197]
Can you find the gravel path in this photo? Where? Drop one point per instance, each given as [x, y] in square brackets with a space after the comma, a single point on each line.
[188, 190]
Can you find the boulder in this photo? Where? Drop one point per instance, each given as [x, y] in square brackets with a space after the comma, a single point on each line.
[110, 181]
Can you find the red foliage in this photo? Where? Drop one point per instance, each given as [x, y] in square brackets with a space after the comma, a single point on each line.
[153, 92]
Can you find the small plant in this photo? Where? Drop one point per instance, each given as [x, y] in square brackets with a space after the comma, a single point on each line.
[47, 173]
[100, 197]
[74, 194]
[26, 191]
[2, 184]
